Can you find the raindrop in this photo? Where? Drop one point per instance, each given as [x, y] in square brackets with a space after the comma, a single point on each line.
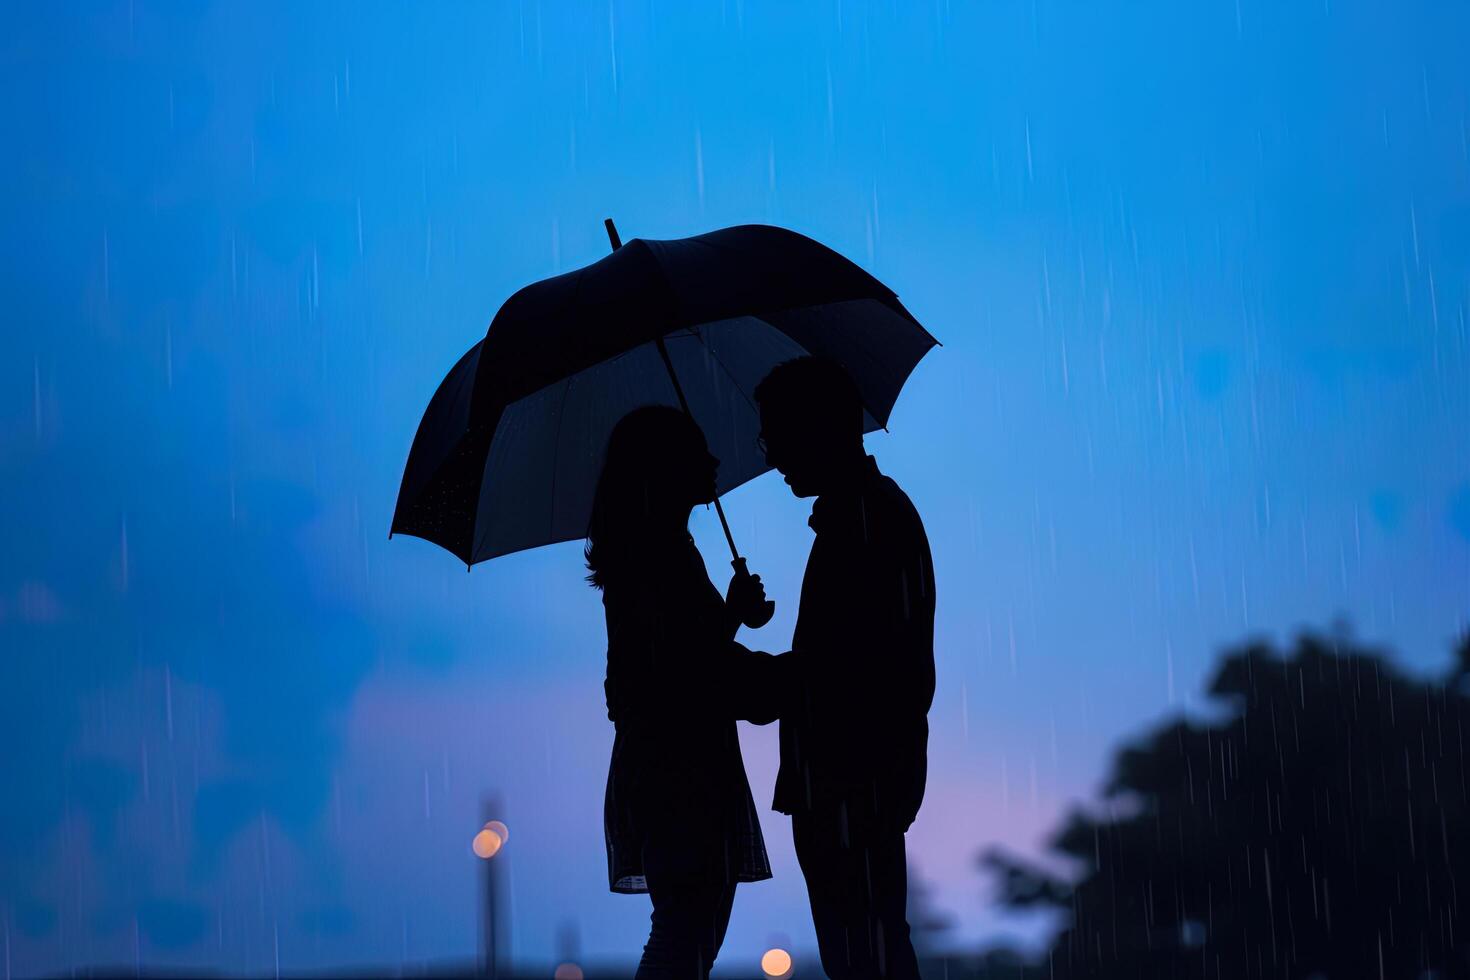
[1434, 309]
[1030, 172]
[612, 43]
[1414, 230]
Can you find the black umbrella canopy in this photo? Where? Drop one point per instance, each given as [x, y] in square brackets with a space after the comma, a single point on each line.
[507, 454]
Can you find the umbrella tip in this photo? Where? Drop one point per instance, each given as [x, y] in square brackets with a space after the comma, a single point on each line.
[612, 234]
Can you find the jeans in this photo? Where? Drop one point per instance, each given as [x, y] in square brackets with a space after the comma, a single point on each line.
[689, 918]
[859, 895]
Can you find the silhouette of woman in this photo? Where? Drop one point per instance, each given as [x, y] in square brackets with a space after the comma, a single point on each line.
[678, 816]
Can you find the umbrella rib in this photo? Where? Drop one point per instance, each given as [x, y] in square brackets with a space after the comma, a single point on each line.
[561, 415]
[748, 400]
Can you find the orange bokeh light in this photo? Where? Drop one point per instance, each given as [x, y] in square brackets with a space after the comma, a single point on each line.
[500, 830]
[776, 963]
[568, 971]
[486, 843]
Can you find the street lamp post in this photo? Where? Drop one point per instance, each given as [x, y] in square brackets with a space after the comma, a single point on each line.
[488, 845]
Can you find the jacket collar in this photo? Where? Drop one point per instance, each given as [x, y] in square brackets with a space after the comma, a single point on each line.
[831, 508]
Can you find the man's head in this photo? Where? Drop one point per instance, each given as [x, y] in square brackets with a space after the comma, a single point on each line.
[811, 424]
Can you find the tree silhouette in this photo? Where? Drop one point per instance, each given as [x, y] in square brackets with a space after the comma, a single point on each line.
[927, 922]
[1321, 830]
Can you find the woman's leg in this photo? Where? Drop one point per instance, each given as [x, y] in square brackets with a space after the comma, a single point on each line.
[724, 898]
[688, 924]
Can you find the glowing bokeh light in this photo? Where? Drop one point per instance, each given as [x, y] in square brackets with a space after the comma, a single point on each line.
[776, 964]
[499, 829]
[568, 971]
[486, 843]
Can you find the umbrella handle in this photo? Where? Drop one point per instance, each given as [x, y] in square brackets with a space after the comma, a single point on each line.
[763, 615]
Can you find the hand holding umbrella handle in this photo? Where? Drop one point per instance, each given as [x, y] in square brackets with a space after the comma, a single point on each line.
[762, 615]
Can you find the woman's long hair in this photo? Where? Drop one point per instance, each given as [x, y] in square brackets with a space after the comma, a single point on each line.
[643, 453]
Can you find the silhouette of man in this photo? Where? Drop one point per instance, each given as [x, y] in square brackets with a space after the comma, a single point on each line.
[860, 674]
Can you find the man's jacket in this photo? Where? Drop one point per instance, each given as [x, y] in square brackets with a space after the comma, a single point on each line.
[854, 727]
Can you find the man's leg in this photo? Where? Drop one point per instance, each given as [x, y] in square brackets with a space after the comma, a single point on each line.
[858, 893]
[888, 864]
[827, 889]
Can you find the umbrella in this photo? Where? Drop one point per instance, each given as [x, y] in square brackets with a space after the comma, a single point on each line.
[507, 454]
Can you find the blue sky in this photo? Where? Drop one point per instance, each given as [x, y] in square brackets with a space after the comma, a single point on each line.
[1202, 274]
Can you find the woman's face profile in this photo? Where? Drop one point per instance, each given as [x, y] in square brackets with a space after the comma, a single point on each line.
[696, 467]
[667, 453]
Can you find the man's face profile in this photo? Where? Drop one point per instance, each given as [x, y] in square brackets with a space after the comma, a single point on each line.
[792, 448]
